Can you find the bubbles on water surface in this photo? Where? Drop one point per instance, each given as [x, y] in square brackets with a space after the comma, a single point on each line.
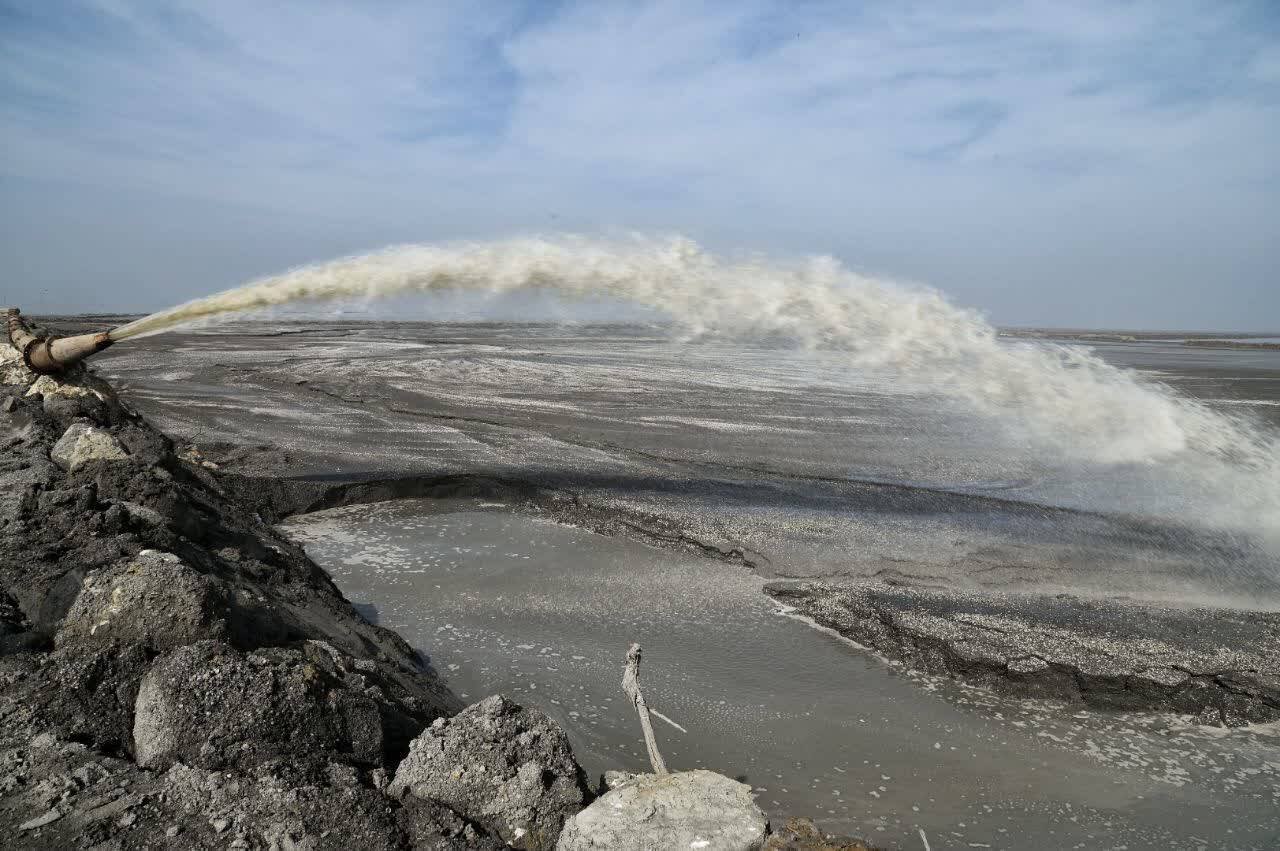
[815, 726]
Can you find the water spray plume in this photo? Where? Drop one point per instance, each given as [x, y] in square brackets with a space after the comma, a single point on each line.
[1062, 397]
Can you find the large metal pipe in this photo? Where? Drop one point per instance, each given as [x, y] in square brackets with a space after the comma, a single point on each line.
[51, 355]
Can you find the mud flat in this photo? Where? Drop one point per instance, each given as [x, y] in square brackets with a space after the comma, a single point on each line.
[1220, 665]
[777, 469]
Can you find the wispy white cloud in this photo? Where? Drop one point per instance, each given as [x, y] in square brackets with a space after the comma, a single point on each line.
[1021, 154]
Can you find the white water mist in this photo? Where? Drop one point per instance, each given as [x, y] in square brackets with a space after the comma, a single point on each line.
[1061, 396]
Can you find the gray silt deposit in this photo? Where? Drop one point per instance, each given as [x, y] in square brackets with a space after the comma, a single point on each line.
[627, 438]
[174, 673]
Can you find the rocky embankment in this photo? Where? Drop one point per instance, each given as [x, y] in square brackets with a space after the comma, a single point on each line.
[176, 674]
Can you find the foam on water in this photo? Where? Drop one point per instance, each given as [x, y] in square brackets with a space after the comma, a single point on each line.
[514, 603]
[1058, 397]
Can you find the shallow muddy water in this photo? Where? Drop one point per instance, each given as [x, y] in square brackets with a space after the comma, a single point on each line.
[504, 601]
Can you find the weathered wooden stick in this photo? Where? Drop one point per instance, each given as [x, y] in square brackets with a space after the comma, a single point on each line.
[631, 685]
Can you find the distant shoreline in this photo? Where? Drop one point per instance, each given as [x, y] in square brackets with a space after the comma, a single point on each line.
[1204, 339]
[1256, 340]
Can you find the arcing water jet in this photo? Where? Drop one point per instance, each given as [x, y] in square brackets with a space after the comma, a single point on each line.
[50, 355]
[1064, 400]
[1065, 397]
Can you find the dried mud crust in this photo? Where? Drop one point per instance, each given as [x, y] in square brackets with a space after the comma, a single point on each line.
[1221, 665]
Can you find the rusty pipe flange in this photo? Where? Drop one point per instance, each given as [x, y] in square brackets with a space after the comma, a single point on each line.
[52, 355]
[38, 356]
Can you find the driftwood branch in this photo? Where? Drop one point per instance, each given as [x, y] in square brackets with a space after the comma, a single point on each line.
[631, 685]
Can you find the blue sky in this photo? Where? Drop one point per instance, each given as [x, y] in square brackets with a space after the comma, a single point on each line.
[1110, 164]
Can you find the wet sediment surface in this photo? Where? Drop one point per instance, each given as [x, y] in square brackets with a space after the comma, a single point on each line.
[1220, 665]
[748, 464]
[807, 468]
[520, 604]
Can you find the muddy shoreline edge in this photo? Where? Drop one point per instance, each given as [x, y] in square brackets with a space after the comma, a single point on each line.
[256, 593]
[176, 673]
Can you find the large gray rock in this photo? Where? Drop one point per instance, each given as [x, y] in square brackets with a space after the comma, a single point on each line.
[154, 600]
[509, 769]
[78, 394]
[75, 384]
[698, 810]
[209, 705]
[82, 444]
[13, 370]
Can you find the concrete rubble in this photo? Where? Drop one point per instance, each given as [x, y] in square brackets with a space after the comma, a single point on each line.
[689, 809]
[502, 766]
[174, 673]
[81, 444]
